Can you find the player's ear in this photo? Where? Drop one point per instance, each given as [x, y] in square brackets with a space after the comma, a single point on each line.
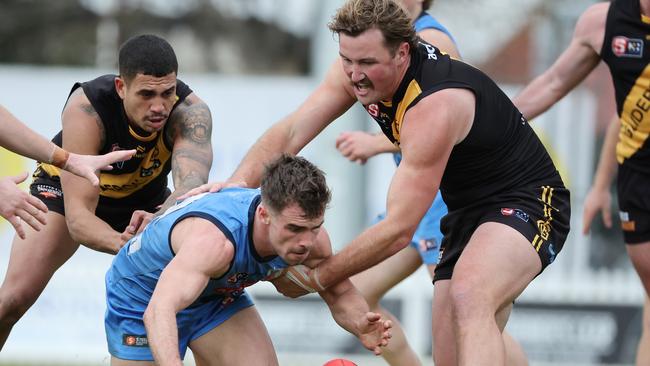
[403, 51]
[264, 214]
[120, 87]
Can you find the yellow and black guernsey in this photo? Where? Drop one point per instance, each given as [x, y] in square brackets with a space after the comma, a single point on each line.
[136, 183]
[501, 151]
[625, 50]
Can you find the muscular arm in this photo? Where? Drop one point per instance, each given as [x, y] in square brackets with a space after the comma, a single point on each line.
[293, 132]
[573, 65]
[19, 138]
[427, 139]
[202, 251]
[83, 133]
[190, 131]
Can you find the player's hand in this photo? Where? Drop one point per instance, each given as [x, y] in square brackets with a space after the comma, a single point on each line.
[374, 332]
[139, 221]
[86, 165]
[357, 146]
[17, 205]
[296, 281]
[210, 187]
[595, 201]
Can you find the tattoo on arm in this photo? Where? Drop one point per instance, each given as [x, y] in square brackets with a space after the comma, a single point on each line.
[191, 133]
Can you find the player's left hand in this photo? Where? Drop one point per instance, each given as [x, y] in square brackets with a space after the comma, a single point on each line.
[85, 166]
[374, 332]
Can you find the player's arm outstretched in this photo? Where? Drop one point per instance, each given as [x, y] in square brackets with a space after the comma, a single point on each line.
[18, 206]
[573, 65]
[205, 252]
[330, 100]
[348, 307]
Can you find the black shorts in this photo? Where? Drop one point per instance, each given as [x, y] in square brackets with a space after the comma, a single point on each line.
[634, 204]
[541, 214]
[117, 214]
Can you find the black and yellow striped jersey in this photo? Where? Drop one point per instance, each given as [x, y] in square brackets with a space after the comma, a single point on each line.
[625, 50]
[500, 152]
[141, 179]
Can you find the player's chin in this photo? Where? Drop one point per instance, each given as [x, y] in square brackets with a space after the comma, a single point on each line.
[295, 258]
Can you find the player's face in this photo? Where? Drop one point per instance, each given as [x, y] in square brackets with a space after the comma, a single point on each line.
[292, 235]
[148, 100]
[373, 70]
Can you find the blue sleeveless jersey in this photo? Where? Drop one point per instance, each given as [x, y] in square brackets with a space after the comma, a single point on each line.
[426, 21]
[137, 267]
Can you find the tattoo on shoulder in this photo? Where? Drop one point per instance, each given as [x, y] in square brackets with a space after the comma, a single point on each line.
[91, 112]
[192, 122]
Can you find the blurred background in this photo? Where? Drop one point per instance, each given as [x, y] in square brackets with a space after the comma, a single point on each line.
[254, 61]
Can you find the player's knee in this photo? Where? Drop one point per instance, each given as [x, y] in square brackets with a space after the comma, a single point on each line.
[14, 305]
[468, 302]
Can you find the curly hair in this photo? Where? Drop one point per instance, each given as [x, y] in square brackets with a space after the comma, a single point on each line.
[293, 179]
[358, 16]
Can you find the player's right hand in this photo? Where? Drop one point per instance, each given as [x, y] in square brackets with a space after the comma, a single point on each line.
[17, 205]
[86, 166]
[595, 201]
[210, 187]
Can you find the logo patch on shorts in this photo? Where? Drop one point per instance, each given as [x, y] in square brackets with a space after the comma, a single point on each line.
[515, 211]
[132, 340]
[551, 252]
[507, 211]
[49, 192]
[428, 244]
[626, 223]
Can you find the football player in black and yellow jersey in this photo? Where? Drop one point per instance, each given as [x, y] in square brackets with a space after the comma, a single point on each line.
[617, 33]
[144, 108]
[458, 132]
[17, 206]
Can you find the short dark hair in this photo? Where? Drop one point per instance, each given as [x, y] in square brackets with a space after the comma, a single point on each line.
[146, 54]
[293, 179]
[426, 4]
[358, 16]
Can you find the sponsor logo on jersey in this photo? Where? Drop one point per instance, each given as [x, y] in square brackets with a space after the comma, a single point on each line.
[116, 147]
[627, 47]
[373, 110]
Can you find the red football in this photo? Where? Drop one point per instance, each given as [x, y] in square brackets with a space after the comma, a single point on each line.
[339, 362]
